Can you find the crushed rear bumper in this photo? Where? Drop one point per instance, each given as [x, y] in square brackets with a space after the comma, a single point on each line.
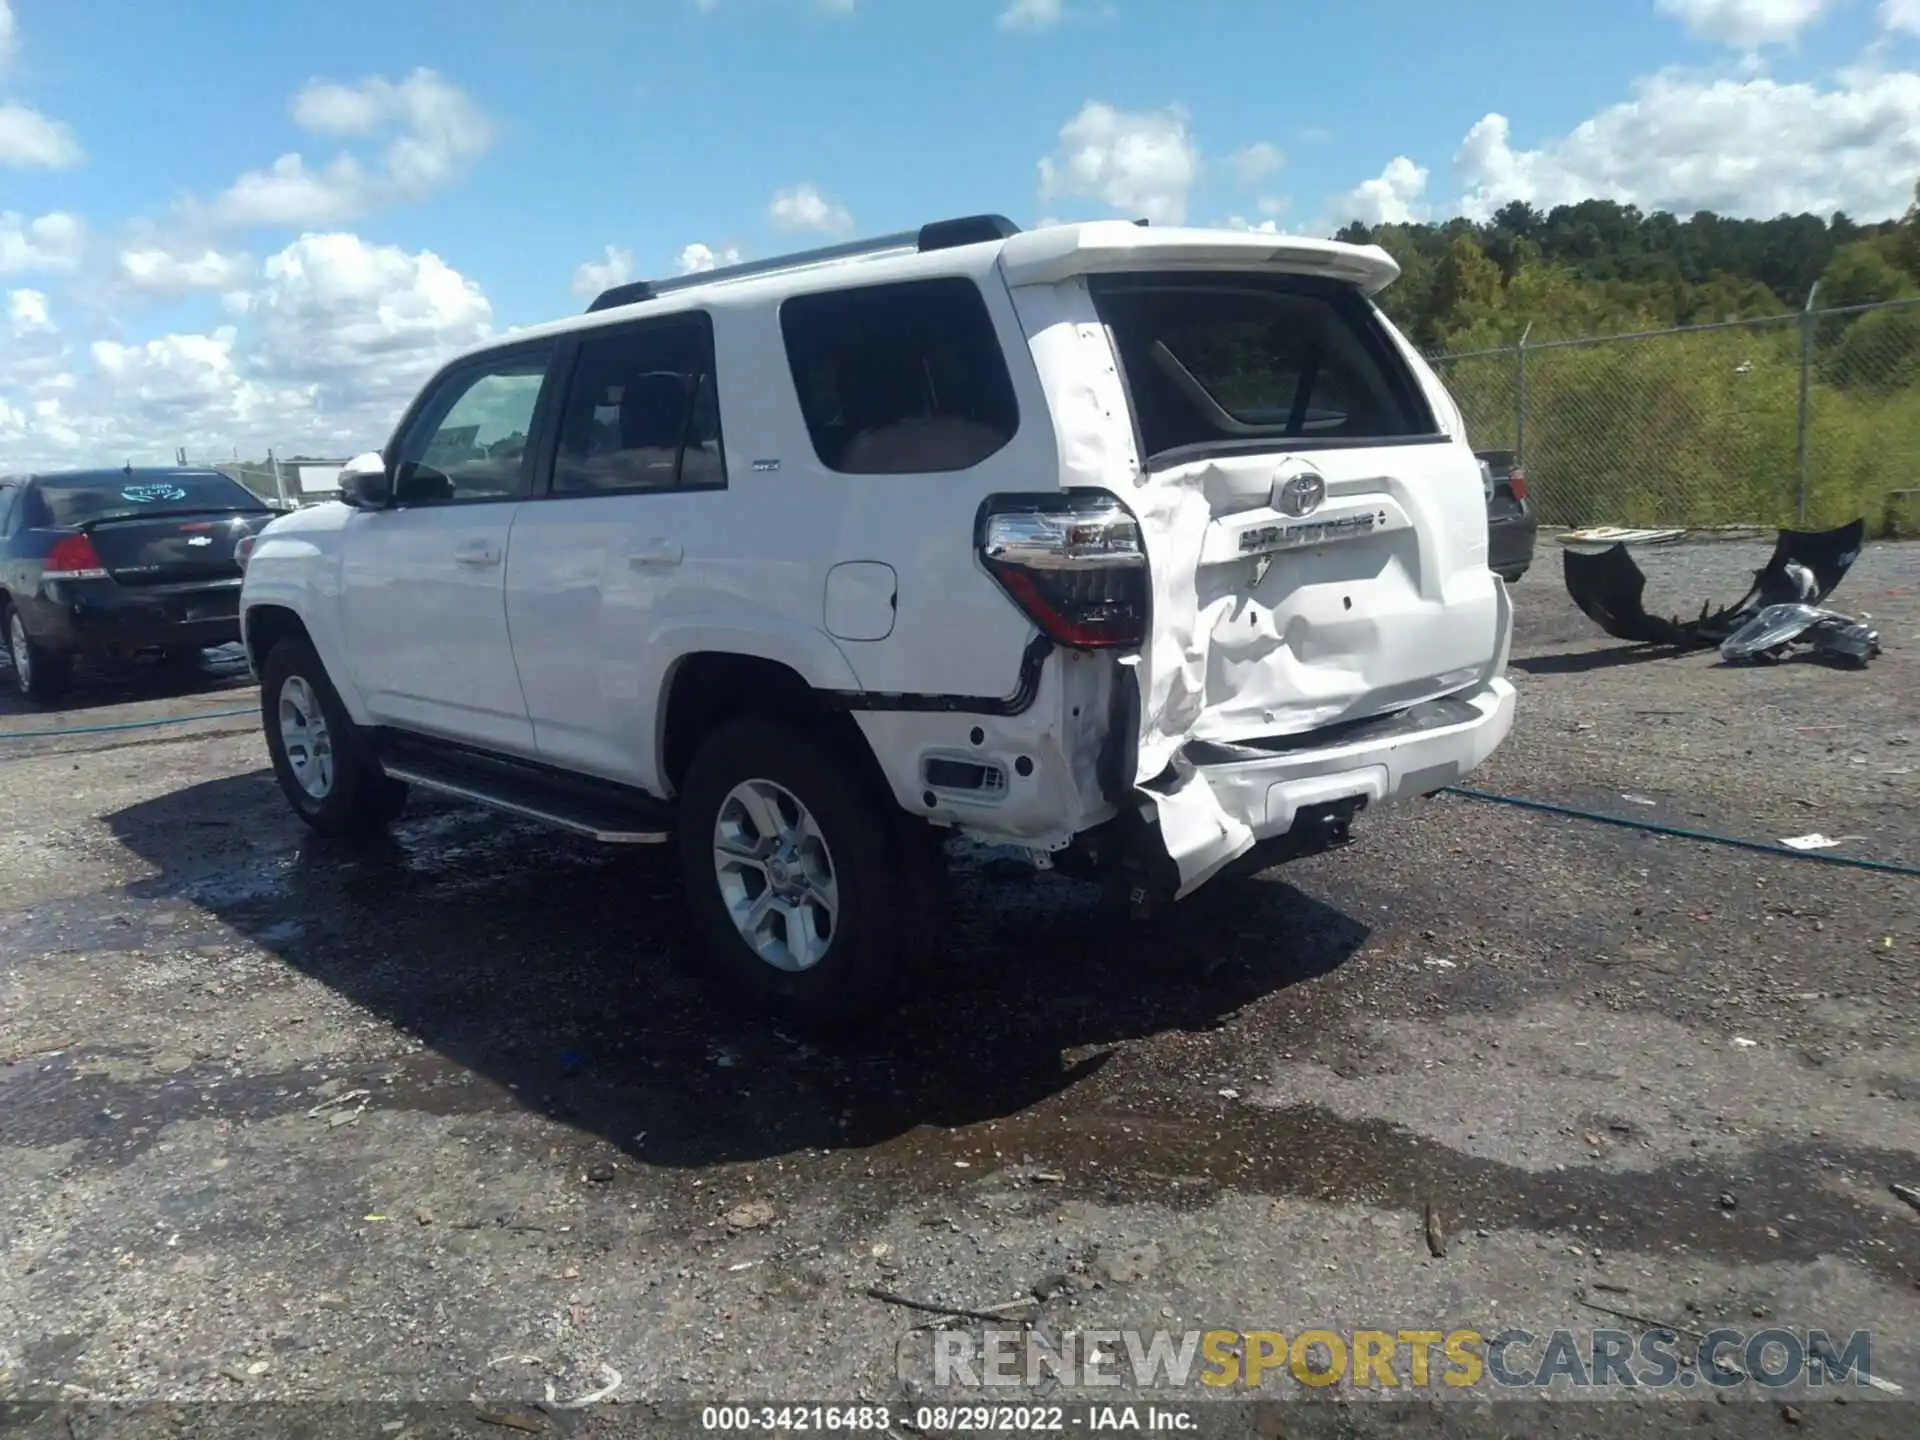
[1224, 802]
[1256, 803]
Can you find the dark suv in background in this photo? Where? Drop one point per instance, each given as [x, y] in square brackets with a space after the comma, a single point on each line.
[1510, 523]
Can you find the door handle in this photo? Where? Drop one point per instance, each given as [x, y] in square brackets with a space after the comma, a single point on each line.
[478, 553]
[655, 552]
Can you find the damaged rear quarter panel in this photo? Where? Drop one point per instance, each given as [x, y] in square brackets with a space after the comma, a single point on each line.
[1402, 613]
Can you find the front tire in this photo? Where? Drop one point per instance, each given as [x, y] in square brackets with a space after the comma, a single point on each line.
[800, 889]
[319, 758]
[41, 674]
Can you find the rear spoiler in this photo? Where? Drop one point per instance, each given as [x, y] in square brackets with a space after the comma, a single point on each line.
[1046, 257]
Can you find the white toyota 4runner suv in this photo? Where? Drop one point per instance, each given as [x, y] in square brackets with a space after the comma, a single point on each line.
[1153, 552]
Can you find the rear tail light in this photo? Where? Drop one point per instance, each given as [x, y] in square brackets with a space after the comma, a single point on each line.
[1072, 561]
[74, 558]
[242, 549]
[1517, 482]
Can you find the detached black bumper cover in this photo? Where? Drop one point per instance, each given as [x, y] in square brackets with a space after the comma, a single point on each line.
[1609, 588]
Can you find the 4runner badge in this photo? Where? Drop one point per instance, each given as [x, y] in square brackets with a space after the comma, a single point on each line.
[1315, 532]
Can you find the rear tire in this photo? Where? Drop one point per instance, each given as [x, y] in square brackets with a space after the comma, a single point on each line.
[41, 674]
[802, 892]
[319, 756]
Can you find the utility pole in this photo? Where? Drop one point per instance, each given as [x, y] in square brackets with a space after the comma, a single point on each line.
[1806, 380]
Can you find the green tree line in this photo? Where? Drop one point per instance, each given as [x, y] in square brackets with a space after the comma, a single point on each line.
[1695, 429]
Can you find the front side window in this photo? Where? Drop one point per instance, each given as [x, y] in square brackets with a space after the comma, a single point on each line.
[1283, 361]
[903, 379]
[470, 442]
[642, 412]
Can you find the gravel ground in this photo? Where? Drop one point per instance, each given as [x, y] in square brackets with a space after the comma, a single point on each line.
[449, 1118]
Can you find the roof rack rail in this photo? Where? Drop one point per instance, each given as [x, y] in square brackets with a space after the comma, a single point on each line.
[936, 235]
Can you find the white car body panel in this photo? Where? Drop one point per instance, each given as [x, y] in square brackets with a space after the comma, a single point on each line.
[423, 616]
[871, 586]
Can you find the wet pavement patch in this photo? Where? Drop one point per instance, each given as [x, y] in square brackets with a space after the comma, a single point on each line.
[464, 1093]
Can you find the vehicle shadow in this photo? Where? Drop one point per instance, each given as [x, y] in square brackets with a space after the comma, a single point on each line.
[96, 688]
[1581, 662]
[564, 973]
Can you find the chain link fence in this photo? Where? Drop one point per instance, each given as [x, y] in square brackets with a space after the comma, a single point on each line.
[1796, 420]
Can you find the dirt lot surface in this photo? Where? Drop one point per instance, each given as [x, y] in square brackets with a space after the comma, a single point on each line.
[452, 1118]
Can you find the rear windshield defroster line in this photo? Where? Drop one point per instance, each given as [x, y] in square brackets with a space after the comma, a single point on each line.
[1229, 363]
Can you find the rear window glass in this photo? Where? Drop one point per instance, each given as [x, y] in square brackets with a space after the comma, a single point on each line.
[903, 379]
[80, 500]
[1247, 360]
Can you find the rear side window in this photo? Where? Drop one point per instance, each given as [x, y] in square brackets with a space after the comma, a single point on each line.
[642, 412]
[1230, 362]
[904, 379]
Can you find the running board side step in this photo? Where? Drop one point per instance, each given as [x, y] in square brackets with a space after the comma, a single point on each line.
[528, 794]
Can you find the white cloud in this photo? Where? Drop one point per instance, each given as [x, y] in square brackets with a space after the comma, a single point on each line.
[29, 140]
[35, 354]
[27, 311]
[54, 241]
[1747, 23]
[1902, 16]
[697, 257]
[366, 322]
[1685, 142]
[33, 376]
[1393, 197]
[160, 271]
[174, 384]
[320, 356]
[1141, 163]
[1256, 162]
[436, 131]
[1033, 14]
[805, 208]
[325, 107]
[593, 276]
[1271, 209]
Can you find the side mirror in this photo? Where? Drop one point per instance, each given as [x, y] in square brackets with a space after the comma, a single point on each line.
[365, 483]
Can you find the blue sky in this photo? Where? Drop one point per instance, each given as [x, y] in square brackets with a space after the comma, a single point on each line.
[457, 162]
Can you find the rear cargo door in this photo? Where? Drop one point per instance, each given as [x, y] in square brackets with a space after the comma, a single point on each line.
[1315, 525]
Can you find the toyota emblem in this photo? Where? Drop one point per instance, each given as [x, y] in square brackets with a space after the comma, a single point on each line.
[1300, 494]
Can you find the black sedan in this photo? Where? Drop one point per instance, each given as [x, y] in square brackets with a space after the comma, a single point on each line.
[111, 565]
[1511, 528]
